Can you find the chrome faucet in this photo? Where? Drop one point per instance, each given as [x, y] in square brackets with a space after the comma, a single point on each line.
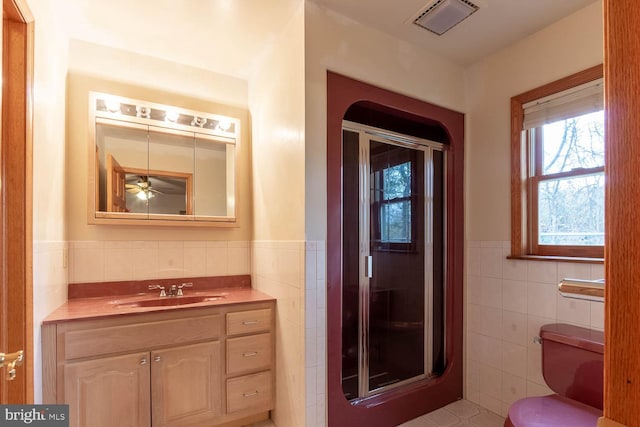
[183, 285]
[174, 290]
[162, 291]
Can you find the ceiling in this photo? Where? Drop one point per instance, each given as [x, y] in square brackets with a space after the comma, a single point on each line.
[497, 23]
[228, 36]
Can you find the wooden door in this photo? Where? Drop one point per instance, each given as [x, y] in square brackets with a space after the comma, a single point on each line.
[110, 391]
[116, 188]
[622, 201]
[16, 299]
[186, 385]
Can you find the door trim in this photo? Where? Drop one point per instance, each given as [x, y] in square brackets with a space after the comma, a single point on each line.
[622, 230]
[403, 404]
[16, 288]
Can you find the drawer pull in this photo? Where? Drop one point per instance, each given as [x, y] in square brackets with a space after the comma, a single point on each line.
[250, 394]
[143, 361]
[157, 358]
[250, 322]
[249, 354]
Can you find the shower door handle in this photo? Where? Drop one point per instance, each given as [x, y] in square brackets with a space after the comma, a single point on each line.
[368, 266]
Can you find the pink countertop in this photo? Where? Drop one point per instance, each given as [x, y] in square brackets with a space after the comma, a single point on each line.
[120, 302]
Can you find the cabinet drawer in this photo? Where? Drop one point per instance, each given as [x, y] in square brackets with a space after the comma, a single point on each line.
[246, 354]
[242, 322]
[142, 336]
[250, 392]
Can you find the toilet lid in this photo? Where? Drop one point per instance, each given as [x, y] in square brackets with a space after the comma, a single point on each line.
[554, 410]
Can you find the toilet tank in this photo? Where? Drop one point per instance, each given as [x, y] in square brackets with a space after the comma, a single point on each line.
[572, 362]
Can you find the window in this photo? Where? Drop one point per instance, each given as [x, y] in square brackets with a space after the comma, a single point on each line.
[395, 204]
[558, 168]
[394, 196]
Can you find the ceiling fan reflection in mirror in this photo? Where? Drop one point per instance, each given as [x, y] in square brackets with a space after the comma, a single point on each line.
[141, 187]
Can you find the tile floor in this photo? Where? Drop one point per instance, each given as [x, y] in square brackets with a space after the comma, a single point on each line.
[457, 414]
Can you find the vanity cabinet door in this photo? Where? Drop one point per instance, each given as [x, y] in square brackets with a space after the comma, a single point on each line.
[107, 392]
[186, 385]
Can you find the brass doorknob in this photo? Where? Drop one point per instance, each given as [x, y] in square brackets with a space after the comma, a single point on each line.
[11, 360]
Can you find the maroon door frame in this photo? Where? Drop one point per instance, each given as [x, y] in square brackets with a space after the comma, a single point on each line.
[396, 406]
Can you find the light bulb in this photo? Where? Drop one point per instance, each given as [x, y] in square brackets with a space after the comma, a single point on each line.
[224, 124]
[112, 104]
[142, 195]
[172, 115]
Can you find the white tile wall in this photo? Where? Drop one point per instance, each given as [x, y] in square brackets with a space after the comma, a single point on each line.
[100, 261]
[506, 303]
[315, 334]
[278, 269]
[49, 292]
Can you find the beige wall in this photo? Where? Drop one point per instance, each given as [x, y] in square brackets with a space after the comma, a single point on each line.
[140, 70]
[78, 146]
[276, 101]
[49, 123]
[49, 246]
[568, 46]
[508, 300]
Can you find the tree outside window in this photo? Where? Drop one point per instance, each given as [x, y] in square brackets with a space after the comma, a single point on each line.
[570, 188]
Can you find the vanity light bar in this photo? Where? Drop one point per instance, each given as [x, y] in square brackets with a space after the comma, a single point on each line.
[165, 116]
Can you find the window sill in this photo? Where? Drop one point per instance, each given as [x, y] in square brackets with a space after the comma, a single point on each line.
[557, 259]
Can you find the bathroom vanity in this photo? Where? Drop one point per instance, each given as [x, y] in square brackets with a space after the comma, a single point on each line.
[142, 360]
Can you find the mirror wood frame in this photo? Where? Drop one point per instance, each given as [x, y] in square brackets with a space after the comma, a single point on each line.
[231, 136]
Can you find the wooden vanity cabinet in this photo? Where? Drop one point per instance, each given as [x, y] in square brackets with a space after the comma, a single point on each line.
[186, 387]
[114, 391]
[249, 360]
[175, 368]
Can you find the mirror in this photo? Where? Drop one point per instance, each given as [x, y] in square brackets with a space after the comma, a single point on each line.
[159, 163]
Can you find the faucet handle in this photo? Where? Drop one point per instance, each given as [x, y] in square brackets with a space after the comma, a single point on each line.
[162, 291]
[184, 285]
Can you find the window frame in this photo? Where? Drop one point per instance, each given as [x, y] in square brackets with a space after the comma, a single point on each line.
[524, 229]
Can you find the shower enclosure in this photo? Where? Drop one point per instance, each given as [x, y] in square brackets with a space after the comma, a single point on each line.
[393, 265]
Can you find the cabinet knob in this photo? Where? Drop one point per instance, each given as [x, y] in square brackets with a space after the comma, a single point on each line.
[156, 359]
[143, 361]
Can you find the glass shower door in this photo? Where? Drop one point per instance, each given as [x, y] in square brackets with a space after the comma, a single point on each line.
[388, 263]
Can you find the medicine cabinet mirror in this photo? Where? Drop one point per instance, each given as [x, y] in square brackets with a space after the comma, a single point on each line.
[161, 165]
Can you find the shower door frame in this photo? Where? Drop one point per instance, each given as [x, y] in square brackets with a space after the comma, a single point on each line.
[367, 134]
[401, 404]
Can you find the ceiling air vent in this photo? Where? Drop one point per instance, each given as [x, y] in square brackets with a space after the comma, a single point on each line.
[443, 15]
